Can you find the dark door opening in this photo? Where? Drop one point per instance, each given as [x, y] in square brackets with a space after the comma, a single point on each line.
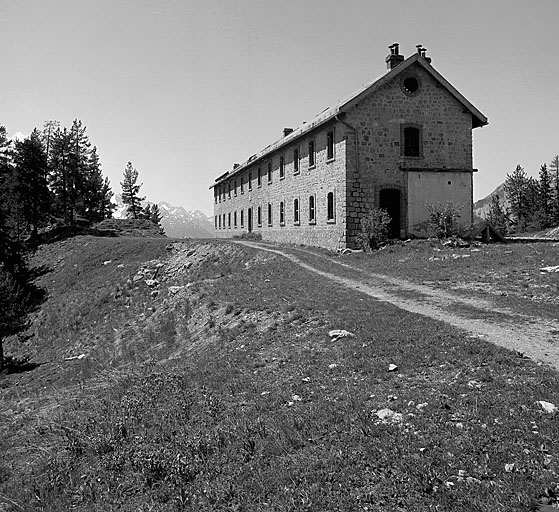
[389, 200]
[249, 214]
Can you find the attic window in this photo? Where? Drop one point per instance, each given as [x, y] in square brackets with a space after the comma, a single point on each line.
[410, 85]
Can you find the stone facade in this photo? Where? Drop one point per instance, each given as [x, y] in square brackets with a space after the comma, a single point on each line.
[402, 142]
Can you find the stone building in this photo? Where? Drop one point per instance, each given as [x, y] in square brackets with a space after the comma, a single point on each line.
[399, 143]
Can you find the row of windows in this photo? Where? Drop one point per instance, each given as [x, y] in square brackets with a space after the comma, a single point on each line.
[220, 220]
[225, 190]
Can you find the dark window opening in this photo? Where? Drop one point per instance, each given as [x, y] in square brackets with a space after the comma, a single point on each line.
[259, 216]
[269, 214]
[330, 145]
[281, 168]
[250, 181]
[229, 220]
[412, 141]
[312, 217]
[410, 84]
[296, 160]
[330, 206]
[281, 213]
[242, 218]
[259, 177]
[311, 154]
[235, 219]
[269, 172]
[296, 211]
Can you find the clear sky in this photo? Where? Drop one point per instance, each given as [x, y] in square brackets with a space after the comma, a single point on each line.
[184, 89]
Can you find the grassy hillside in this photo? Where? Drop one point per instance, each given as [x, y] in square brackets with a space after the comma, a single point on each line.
[201, 376]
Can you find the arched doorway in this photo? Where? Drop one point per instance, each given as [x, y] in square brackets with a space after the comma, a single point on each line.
[249, 220]
[389, 200]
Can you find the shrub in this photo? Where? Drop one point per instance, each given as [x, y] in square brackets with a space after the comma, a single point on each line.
[443, 218]
[12, 307]
[248, 236]
[374, 229]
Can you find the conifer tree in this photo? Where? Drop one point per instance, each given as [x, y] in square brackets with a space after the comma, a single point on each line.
[130, 192]
[545, 197]
[496, 215]
[32, 192]
[516, 190]
[554, 171]
[61, 182]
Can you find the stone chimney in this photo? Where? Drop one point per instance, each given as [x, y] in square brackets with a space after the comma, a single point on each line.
[287, 131]
[394, 58]
[421, 52]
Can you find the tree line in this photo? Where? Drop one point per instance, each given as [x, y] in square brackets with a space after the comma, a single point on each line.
[52, 177]
[531, 204]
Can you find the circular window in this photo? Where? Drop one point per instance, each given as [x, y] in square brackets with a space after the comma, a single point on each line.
[410, 85]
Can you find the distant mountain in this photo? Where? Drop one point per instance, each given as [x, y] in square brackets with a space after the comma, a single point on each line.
[481, 206]
[175, 220]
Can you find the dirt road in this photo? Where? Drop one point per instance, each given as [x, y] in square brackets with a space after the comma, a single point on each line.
[532, 336]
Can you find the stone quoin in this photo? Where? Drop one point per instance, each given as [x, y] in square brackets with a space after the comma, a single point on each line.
[400, 143]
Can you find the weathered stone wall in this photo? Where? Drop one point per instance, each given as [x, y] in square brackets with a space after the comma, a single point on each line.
[446, 145]
[368, 159]
[326, 176]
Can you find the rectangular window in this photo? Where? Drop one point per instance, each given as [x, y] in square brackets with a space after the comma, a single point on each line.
[229, 190]
[259, 177]
[269, 172]
[215, 222]
[223, 221]
[235, 187]
[330, 212]
[330, 145]
[312, 162]
[269, 214]
[235, 219]
[229, 220]
[242, 218]
[411, 143]
[312, 213]
[296, 211]
[242, 184]
[219, 221]
[215, 195]
[249, 181]
[281, 168]
[282, 213]
[296, 161]
[259, 216]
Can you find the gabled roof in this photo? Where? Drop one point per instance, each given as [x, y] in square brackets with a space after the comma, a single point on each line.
[478, 119]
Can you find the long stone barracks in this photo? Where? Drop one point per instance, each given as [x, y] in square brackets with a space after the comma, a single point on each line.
[400, 143]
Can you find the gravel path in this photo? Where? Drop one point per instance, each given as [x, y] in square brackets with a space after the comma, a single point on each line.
[535, 337]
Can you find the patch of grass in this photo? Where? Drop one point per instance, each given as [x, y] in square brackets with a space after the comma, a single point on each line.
[285, 419]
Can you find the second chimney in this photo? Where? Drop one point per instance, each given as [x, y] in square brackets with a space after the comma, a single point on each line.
[394, 58]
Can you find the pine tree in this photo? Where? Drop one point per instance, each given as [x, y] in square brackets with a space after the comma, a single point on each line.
[496, 215]
[97, 192]
[79, 169]
[130, 192]
[155, 215]
[517, 190]
[32, 192]
[554, 171]
[60, 181]
[8, 246]
[545, 197]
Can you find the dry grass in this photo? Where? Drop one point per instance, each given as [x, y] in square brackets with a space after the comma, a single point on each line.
[229, 395]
